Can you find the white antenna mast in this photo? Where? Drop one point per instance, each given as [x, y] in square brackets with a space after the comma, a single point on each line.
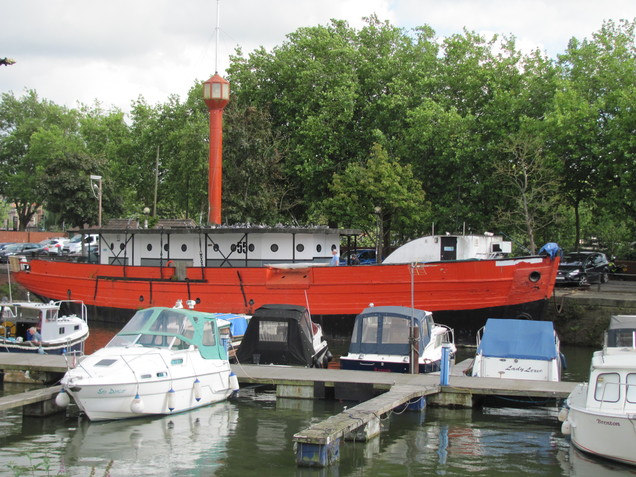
[216, 53]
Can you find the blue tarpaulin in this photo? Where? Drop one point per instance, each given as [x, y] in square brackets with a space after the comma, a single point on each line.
[523, 339]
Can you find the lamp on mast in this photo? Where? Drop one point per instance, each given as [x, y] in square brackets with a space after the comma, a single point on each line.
[216, 94]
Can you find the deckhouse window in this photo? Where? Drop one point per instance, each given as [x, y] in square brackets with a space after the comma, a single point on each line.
[168, 322]
[395, 330]
[607, 387]
[209, 338]
[273, 331]
[369, 332]
[631, 387]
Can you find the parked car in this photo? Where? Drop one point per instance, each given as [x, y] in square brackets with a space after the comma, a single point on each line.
[362, 256]
[583, 268]
[74, 246]
[20, 249]
[53, 246]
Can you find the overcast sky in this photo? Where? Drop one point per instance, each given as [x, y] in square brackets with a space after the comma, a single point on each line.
[79, 51]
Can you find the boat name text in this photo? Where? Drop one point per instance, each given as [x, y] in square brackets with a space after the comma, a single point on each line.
[521, 369]
[102, 391]
[608, 423]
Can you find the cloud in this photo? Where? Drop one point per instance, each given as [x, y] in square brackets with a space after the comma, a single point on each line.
[116, 50]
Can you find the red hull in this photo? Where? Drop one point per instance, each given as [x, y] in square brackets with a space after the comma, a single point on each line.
[459, 285]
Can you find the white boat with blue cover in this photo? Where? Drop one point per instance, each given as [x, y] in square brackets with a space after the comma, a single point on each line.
[164, 361]
[382, 337]
[600, 416]
[518, 349]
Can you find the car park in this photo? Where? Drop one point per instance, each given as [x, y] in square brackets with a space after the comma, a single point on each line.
[583, 268]
[53, 246]
[20, 249]
[74, 246]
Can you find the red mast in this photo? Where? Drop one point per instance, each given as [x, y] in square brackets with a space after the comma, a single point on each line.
[216, 94]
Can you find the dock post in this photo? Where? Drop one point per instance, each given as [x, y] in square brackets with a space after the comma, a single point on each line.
[317, 455]
[445, 365]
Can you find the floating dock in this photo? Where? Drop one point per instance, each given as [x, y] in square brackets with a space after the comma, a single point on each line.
[378, 393]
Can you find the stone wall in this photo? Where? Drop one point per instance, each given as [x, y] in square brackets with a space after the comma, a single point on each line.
[581, 318]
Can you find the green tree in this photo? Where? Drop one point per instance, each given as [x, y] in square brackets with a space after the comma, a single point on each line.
[23, 122]
[534, 204]
[380, 196]
[592, 122]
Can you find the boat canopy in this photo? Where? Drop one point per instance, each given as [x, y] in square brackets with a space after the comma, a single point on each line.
[523, 339]
[278, 334]
[622, 331]
[175, 328]
[385, 330]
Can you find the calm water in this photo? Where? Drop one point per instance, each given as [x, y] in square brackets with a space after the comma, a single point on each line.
[252, 436]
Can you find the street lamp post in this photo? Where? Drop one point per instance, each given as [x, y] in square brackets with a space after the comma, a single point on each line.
[98, 185]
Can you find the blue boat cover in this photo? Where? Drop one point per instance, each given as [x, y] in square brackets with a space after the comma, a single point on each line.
[238, 323]
[523, 339]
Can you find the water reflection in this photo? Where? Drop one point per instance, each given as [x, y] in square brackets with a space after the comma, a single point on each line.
[253, 436]
[153, 446]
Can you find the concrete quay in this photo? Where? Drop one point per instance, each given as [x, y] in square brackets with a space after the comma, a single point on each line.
[581, 315]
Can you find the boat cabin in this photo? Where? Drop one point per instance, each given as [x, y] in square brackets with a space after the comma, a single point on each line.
[518, 349]
[175, 329]
[183, 244]
[621, 332]
[18, 317]
[385, 330]
[284, 335]
[436, 248]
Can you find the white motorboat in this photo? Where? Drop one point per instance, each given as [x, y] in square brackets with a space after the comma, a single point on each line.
[164, 361]
[518, 349]
[57, 333]
[382, 335]
[600, 416]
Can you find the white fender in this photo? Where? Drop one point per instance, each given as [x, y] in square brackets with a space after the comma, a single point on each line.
[197, 389]
[566, 428]
[172, 400]
[62, 399]
[137, 405]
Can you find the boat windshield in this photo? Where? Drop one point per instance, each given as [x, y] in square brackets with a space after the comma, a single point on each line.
[152, 328]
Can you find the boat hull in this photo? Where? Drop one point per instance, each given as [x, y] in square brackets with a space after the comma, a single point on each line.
[453, 290]
[25, 347]
[108, 402]
[387, 366]
[126, 382]
[604, 434]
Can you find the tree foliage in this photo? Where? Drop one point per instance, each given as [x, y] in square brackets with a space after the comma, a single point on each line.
[336, 122]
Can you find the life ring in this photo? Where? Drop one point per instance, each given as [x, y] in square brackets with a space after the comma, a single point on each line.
[9, 328]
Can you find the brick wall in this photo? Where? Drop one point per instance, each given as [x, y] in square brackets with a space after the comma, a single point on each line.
[35, 237]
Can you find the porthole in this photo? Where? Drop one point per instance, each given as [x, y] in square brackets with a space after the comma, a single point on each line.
[233, 247]
[165, 247]
[300, 247]
[216, 247]
[318, 248]
[122, 246]
[535, 277]
[251, 247]
[198, 301]
[149, 247]
[184, 247]
[141, 298]
[112, 246]
[274, 248]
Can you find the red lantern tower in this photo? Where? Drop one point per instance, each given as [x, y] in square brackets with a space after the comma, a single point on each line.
[216, 94]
